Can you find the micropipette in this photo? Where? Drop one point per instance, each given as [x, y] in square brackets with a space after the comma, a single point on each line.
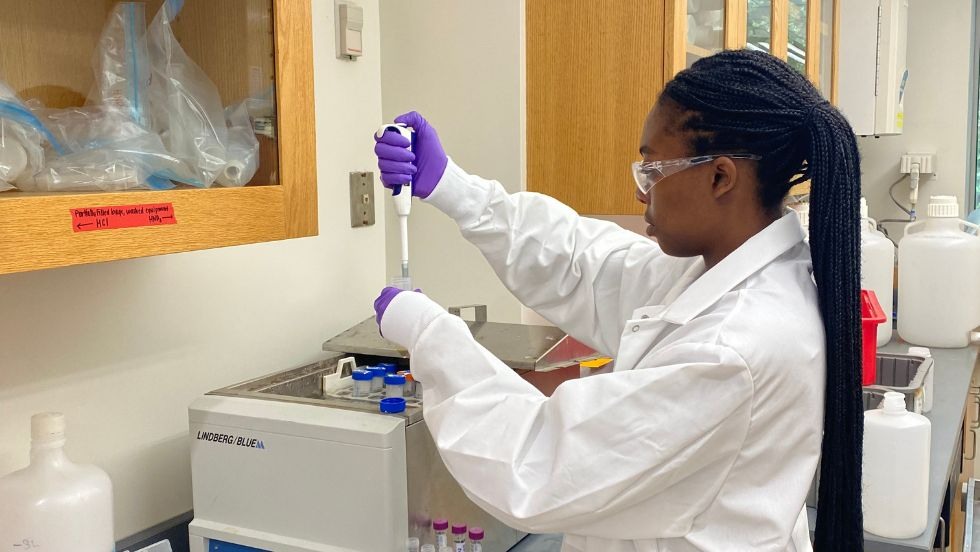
[403, 200]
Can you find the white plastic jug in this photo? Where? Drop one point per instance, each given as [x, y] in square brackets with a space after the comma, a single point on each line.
[55, 505]
[896, 470]
[939, 278]
[878, 269]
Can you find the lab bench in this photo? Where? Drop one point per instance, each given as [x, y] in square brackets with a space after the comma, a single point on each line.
[951, 387]
[954, 369]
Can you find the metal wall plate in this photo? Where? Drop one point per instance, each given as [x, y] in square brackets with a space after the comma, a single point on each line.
[361, 199]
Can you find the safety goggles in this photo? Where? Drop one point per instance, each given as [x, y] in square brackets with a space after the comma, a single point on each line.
[648, 173]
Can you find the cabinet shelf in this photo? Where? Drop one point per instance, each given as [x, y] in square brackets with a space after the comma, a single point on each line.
[38, 230]
[242, 46]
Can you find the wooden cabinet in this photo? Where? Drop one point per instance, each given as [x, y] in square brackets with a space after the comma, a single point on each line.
[971, 426]
[595, 70]
[242, 45]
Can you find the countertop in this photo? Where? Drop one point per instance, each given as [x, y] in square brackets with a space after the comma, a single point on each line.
[951, 384]
[954, 367]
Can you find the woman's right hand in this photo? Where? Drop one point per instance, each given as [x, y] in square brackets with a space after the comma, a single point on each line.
[423, 167]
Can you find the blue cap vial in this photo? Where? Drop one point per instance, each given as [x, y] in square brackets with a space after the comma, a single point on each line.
[378, 371]
[362, 375]
[392, 405]
[390, 367]
[394, 379]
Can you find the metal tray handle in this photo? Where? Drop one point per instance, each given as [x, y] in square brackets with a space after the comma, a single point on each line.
[479, 311]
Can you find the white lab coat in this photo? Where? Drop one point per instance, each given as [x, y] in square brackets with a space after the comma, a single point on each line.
[707, 433]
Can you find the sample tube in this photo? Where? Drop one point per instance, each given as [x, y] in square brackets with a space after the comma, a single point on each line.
[390, 367]
[394, 385]
[428, 548]
[412, 544]
[400, 282]
[378, 381]
[362, 382]
[459, 537]
[409, 383]
[476, 539]
[441, 527]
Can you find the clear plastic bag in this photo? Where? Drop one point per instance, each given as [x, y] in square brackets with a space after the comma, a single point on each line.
[21, 154]
[108, 151]
[243, 148]
[21, 134]
[121, 63]
[185, 107]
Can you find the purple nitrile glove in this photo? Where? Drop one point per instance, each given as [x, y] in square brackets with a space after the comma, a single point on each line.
[423, 167]
[383, 300]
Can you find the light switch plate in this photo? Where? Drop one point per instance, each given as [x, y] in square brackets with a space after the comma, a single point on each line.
[361, 199]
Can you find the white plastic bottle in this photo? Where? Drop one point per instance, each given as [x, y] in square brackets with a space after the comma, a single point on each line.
[878, 269]
[939, 278]
[896, 470]
[54, 505]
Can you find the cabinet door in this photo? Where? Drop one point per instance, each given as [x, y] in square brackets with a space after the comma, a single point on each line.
[594, 70]
[700, 28]
[829, 36]
[705, 29]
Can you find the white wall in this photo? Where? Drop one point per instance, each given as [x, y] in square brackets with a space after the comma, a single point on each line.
[459, 64]
[936, 110]
[122, 348]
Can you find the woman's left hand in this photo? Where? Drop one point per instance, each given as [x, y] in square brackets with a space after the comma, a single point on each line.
[384, 299]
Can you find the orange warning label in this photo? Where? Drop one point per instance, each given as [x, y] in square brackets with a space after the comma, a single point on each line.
[88, 219]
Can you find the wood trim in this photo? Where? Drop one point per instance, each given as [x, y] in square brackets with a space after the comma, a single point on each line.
[813, 40]
[675, 39]
[736, 26]
[835, 60]
[779, 33]
[295, 111]
[37, 229]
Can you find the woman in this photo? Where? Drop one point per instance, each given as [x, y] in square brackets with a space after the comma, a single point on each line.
[737, 359]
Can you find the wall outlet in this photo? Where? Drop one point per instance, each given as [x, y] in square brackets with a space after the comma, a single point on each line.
[926, 161]
[361, 199]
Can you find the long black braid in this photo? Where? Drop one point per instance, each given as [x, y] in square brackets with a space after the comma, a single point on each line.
[743, 101]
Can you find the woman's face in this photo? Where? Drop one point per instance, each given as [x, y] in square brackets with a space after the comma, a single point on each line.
[679, 207]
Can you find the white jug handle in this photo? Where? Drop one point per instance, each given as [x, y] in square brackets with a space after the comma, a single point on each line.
[911, 226]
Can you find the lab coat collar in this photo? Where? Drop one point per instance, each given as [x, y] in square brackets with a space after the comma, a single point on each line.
[757, 252]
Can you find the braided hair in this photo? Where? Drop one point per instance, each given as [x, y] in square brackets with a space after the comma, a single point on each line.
[752, 102]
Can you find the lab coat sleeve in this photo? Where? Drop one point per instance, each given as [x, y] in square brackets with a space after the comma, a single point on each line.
[627, 455]
[556, 262]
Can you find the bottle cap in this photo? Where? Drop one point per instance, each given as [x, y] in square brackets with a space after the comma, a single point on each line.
[440, 524]
[459, 529]
[894, 402]
[392, 405]
[390, 367]
[476, 533]
[362, 375]
[48, 426]
[943, 207]
[378, 371]
[394, 379]
[407, 375]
